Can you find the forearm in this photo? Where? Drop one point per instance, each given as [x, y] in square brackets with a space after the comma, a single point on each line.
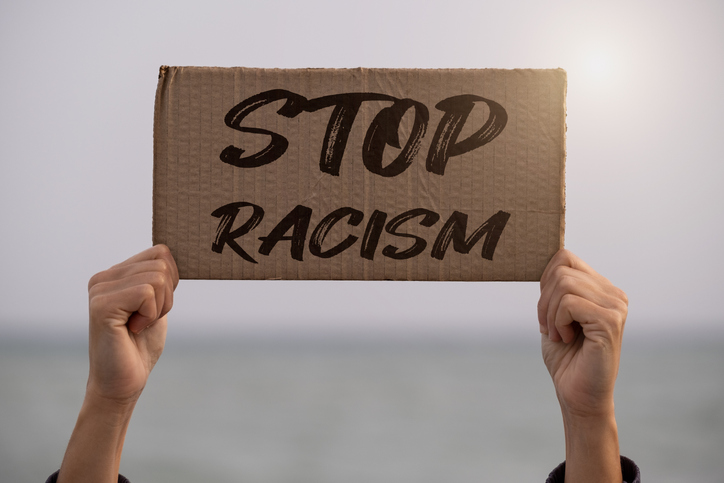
[592, 451]
[127, 305]
[94, 449]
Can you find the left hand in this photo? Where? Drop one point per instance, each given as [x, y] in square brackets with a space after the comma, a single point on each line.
[128, 305]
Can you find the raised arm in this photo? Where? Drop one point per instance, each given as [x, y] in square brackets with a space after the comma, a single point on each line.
[127, 331]
[581, 316]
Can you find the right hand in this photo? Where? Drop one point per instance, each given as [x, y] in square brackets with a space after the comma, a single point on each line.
[581, 316]
[128, 304]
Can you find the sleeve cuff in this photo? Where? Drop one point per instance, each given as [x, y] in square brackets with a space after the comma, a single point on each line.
[629, 470]
[54, 478]
[631, 473]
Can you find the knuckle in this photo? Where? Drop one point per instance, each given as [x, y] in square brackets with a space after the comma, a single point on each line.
[97, 305]
[618, 302]
[158, 279]
[566, 257]
[161, 265]
[161, 250]
[617, 326]
[147, 290]
[93, 290]
[165, 262]
[555, 274]
[622, 305]
[622, 296]
[622, 314]
[95, 280]
[567, 283]
[165, 268]
[567, 299]
[615, 320]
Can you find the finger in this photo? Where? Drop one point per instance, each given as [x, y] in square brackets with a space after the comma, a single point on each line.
[547, 304]
[552, 331]
[546, 292]
[162, 292]
[564, 258]
[114, 308]
[563, 319]
[597, 290]
[137, 322]
[597, 323]
[141, 319]
[117, 272]
[157, 252]
[157, 272]
[570, 281]
[562, 263]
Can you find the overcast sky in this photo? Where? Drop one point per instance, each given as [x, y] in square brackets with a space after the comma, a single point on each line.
[644, 166]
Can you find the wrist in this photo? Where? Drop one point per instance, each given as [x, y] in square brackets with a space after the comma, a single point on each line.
[601, 427]
[594, 413]
[112, 411]
[592, 450]
[110, 397]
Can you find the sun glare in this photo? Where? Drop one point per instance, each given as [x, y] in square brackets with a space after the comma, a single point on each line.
[600, 67]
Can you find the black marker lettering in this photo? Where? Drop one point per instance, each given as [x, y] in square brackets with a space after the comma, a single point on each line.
[224, 236]
[278, 144]
[320, 232]
[299, 219]
[371, 238]
[455, 229]
[384, 131]
[346, 107]
[393, 252]
[457, 109]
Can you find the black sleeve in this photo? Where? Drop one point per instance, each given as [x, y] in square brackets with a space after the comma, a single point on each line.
[54, 477]
[630, 471]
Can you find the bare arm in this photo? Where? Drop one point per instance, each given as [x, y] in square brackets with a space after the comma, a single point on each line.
[127, 331]
[581, 317]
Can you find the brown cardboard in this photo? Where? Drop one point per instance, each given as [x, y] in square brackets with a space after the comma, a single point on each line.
[484, 145]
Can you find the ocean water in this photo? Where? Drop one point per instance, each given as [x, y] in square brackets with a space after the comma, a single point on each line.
[373, 411]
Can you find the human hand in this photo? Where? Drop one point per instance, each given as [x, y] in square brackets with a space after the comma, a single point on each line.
[581, 317]
[128, 304]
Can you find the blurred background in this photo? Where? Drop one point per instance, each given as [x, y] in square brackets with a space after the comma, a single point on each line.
[363, 381]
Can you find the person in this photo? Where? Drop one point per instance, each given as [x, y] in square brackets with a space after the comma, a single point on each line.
[581, 316]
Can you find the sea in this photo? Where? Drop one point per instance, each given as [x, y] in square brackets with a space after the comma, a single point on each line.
[260, 409]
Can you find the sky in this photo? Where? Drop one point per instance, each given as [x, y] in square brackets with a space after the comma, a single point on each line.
[644, 152]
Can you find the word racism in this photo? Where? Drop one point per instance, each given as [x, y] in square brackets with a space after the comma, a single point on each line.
[382, 131]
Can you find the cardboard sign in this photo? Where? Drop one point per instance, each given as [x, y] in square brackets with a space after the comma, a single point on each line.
[361, 174]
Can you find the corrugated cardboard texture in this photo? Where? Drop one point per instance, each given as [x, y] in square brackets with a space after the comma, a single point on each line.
[362, 174]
